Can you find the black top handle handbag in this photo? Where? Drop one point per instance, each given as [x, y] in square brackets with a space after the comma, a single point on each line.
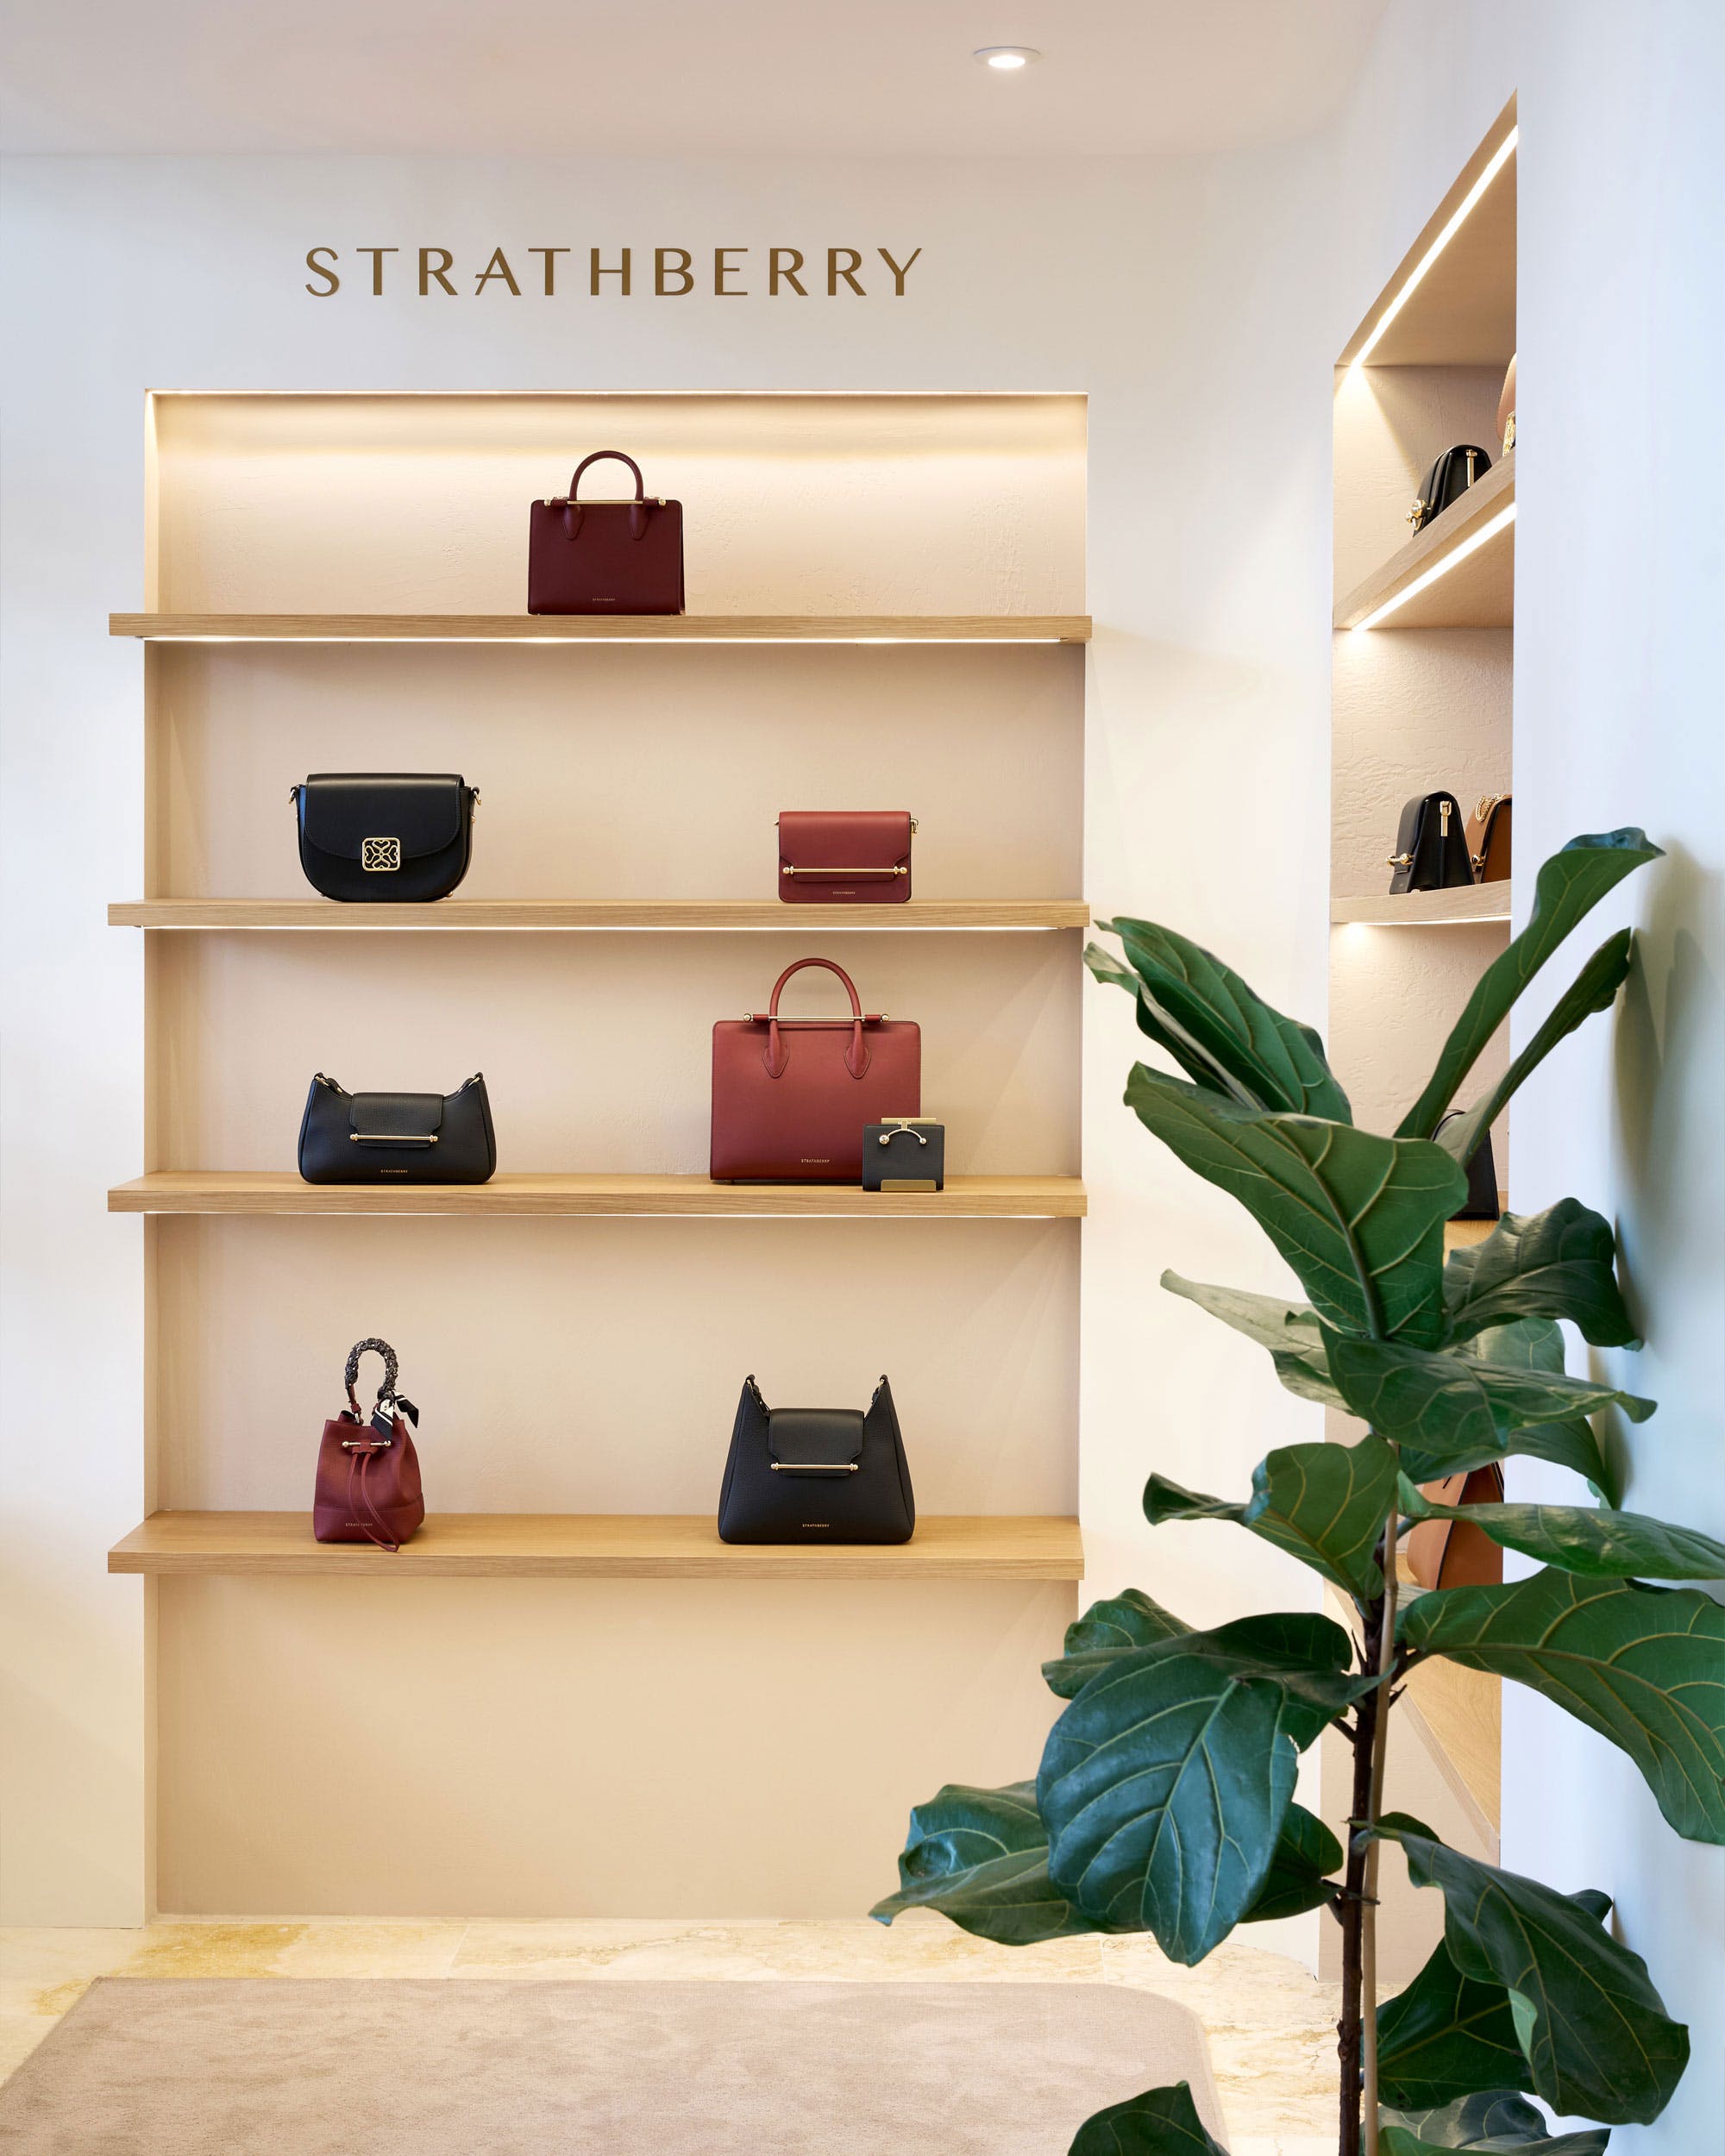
[407, 1137]
[816, 1474]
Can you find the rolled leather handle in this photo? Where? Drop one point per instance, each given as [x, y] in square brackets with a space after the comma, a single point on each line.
[777, 1056]
[637, 513]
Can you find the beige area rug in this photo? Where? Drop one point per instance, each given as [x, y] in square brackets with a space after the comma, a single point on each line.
[448, 2068]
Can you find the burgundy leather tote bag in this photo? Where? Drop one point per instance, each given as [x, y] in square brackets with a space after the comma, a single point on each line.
[791, 1096]
[604, 556]
[368, 1488]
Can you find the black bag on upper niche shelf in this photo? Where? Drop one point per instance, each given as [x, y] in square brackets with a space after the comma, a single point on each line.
[816, 1474]
[385, 836]
[1431, 845]
[1449, 478]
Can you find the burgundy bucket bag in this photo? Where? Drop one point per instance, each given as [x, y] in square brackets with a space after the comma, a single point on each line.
[791, 1096]
[368, 1488]
[604, 556]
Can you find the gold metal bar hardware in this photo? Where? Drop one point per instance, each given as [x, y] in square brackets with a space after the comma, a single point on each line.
[390, 1137]
[787, 871]
[813, 1467]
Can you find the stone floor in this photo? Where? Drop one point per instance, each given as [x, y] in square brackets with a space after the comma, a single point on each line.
[1271, 2026]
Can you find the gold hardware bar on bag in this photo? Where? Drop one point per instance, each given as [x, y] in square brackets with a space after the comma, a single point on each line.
[813, 1467]
[843, 872]
[392, 1137]
[766, 1018]
[605, 501]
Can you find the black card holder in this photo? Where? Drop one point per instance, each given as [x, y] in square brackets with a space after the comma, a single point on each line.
[906, 1152]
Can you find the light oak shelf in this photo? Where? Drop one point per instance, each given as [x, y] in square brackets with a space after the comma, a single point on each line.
[1461, 1235]
[610, 1197]
[1462, 311]
[577, 629]
[1465, 906]
[324, 915]
[600, 1545]
[1479, 592]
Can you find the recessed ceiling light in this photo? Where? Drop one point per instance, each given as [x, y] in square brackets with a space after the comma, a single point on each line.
[1008, 59]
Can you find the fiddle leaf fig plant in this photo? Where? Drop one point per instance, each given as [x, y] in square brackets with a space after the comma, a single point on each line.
[1163, 1802]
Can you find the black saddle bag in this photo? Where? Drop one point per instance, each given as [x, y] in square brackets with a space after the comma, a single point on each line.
[384, 837]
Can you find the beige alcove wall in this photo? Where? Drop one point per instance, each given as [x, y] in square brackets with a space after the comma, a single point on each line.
[637, 1746]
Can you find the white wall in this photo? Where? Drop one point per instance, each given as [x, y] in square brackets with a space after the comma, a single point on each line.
[1621, 267]
[1186, 298]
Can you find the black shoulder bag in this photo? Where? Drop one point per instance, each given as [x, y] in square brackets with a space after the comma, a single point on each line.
[816, 1474]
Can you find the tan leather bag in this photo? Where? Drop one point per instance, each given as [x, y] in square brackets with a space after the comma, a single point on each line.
[1487, 839]
[1453, 1552]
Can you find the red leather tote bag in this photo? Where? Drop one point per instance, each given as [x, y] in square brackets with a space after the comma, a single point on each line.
[605, 557]
[791, 1096]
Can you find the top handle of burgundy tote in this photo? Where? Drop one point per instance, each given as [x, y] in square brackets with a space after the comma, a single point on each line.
[777, 1056]
[637, 508]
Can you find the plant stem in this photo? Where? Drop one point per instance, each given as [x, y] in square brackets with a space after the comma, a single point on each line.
[1378, 1753]
[1357, 2031]
[1353, 1907]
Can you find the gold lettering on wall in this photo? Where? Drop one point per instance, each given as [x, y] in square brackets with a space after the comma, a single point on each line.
[660, 259]
[439, 270]
[674, 272]
[550, 254]
[595, 273]
[377, 254]
[788, 274]
[849, 272]
[325, 270]
[497, 267]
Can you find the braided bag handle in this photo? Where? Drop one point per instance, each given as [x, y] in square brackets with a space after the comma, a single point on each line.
[391, 1370]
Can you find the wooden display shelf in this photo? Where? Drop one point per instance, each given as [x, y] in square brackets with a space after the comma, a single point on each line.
[1465, 906]
[1462, 311]
[323, 914]
[577, 629]
[611, 1197]
[1479, 593]
[599, 1546]
[1461, 1235]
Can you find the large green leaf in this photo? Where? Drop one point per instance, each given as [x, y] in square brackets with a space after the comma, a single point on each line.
[1449, 1411]
[1324, 1504]
[1594, 988]
[980, 1857]
[1360, 1217]
[1307, 1655]
[1291, 1331]
[1447, 2035]
[1569, 885]
[1130, 1619]
[1163, 1788]
[1160, 2122]
[1598, 2039]
[1558, 1264]
[1537, 1344]
[1575, 1538]
[1307, 1852]
[1498, 2120]
[1644, 1666]
[1221, 1033]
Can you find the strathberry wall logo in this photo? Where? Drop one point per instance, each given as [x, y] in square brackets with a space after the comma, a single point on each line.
[623, 273]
